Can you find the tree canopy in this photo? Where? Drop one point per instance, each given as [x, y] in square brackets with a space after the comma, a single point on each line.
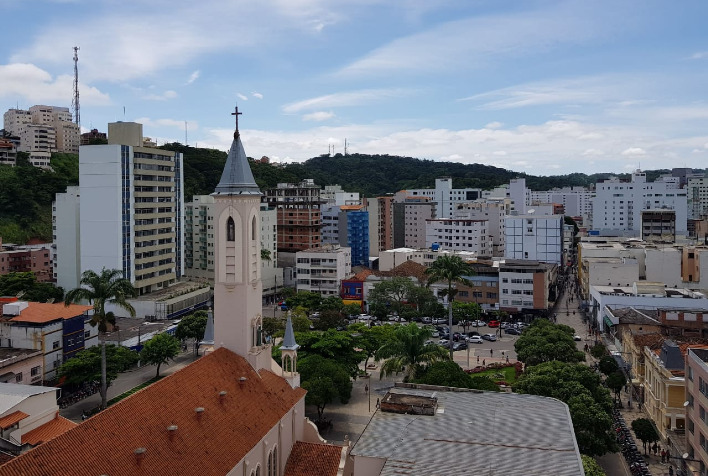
[587, 399]
[325, 381]
[85, 366]
[12, 284]
[544, 341]
[645, 431]
[408, 351]
[159, 350]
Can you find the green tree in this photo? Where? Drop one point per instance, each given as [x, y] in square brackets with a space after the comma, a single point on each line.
[159, 349]
[351, 310]
[99, 289]
[598, 350]
[615, 381]
[466, 312]
[12, 284]
[331, 303]
[192, 327]
[645, 431]
[273, 326]
[307, 300]
[588, 400]
[333, 345]
[300, 321]
[608, 365]
[85, 366]
[329, 319]
[265, 254]
[591, 467]
[390, 295]
[325, 380]
[408, 351]
[370, 339]
[447, 373]
[450, 269]
[543, 341]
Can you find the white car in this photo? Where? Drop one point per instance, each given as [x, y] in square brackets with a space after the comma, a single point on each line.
[475, 340]
[576, 337]
[364, 317]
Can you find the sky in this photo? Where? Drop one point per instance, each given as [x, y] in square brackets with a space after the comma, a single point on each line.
[545, 87]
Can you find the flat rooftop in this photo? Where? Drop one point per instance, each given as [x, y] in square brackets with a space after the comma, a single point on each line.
[472, 432]
[9, 356]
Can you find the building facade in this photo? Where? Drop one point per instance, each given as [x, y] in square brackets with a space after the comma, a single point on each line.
[66, 236]
[697, 408]
[445, 197]
[35, 259]
[534, 237]
[409, 221]
[299, 214]
[527, 286]
[380, 224]
[322, 270]
[459, 234]
[132, 209]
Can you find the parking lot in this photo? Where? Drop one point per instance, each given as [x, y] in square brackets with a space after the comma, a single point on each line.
[487, 351]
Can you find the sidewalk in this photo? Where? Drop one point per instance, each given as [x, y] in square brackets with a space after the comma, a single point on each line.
[124, 382]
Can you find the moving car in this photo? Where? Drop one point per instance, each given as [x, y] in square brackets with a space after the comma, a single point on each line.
[475, 340]
[490, 337]
[576, 337]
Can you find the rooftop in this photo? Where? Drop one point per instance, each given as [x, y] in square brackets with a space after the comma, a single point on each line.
[313, 459]
[630, 315]
[12, 393]
[10, 355]
[50, 430]
[41, 312]
[212, 441]
[480, 431]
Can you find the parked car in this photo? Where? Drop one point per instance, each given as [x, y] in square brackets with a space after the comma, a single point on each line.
[493, 324]
[472, 333]
[435, 334]
[428, 342]
[512, 331]
[439, 320]
[475, 340]
[459, 346]
[364, 317]
[444, 342]
[577, 337]
[427, 320]
[490, 337]
[456, 336]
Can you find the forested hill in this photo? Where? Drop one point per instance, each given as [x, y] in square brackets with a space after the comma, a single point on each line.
[26, 193]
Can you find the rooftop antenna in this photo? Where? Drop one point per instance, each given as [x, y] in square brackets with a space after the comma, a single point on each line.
[75, 100]
[345, 147]
[185, 133]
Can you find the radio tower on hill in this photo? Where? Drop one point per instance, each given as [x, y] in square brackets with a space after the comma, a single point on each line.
[75, 100]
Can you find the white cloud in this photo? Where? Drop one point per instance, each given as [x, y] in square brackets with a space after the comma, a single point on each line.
[36, 86]
[493, 125]
[350, 98]
[634, 152]
[700, 55]
[242, 97]
[318, 116]
[193, 77]
[161, 97]
[257, 95]
[167, 123]
[500, 153]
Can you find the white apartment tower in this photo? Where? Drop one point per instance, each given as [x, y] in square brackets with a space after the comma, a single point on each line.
[43, 130]
[697, 189]
[459, 234]
[66, 236]
[534, 237]
[618, 205]
[132, 209]
[445, 196]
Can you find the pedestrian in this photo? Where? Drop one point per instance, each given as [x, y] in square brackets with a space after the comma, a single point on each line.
[663, 455]
[507, 359]
[671, 471]
[491, 352]
[478, 359]
[366, 388]
[655, 448]
[484, 363]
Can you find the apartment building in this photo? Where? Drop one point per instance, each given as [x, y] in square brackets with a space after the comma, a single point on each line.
[697, 193]
[696, 410]
[410, 215]
[321, 270]
[21, 366]
[57, 330]
[132, 209]
[35, 259]
[658, 225]
[617, 205]
[526, 286]
[299, 215]
[490, 209]
[66, 236]
[380, 223]
[43, 130]
[333, 194]
[8, 152]
[93, 136]
[534, 237]
[576, 201]
[459, 234]
[445, 196]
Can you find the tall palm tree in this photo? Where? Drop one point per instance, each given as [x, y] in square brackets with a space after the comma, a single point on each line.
[451, 269]
[99, 289]
[408, 350]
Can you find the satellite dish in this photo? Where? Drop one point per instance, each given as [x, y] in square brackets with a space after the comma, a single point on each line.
[531, 211]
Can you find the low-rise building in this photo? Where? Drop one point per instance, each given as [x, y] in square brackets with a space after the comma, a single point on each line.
[528, 287]
[322, 270]
[57, 330]
[459, 234]
[34, 259]
[696, 419]
[23, 366]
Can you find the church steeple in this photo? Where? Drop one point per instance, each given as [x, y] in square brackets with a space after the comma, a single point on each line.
[288, 355]
[238, 291]
[237, 178]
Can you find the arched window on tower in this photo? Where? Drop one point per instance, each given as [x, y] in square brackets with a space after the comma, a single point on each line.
[230, 230]
[253, 229]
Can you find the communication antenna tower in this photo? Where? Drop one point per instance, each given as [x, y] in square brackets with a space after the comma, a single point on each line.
[75, 100]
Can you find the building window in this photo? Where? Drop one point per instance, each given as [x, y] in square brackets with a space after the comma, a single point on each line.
[55, 345]
[18, 377]
[87, 334]
[230, 230]
[35, 370]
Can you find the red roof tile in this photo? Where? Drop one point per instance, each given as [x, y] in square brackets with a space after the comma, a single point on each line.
[40, 312]
[213, 443]
[48, 431]
[15, 417]
[313, 459]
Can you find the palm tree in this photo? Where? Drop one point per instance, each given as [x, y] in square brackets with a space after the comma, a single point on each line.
[407, 351]
[99, 289]
[451, 269]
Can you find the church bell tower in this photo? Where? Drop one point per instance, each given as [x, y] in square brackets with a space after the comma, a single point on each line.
[238, 310]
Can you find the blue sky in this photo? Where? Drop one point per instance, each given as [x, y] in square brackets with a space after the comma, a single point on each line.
[538, 86]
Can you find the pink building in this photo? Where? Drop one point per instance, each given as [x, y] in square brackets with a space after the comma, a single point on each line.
[696, 411]
[30, 258]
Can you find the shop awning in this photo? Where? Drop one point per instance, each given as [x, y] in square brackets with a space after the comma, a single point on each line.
[608, 321]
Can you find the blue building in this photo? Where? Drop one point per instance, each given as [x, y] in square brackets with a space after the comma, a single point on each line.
[354, 233]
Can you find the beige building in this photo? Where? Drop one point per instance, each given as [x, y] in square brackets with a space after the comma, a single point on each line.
[22, 366]
[43, 130]
[697, 398]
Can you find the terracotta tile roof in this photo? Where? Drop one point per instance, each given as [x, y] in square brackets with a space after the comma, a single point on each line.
[15, 417]
[351, 207]
[48, 431]
[361, 275]
[653, 341]
[313, 459]
[212, 443]
[5, 457]
[40, 312]
[408, 269]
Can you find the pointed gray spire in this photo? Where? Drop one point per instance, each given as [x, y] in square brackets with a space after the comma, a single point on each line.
[289, 339]
[237, 178]
[208, 338]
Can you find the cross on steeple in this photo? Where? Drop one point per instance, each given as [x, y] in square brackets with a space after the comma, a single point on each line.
[236, 113]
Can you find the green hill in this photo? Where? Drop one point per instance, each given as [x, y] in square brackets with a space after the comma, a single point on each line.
[26, 192]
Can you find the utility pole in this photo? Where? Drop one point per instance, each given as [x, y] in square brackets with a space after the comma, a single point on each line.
[104, 386]
[75, 100]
